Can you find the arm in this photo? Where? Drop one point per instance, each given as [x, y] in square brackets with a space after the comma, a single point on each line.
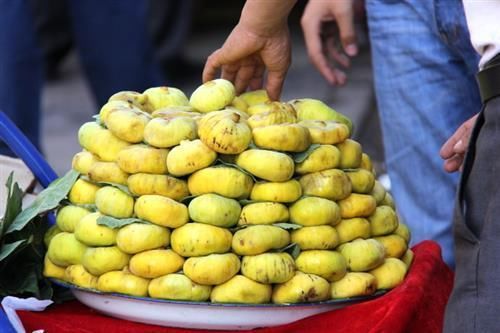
[259, 42]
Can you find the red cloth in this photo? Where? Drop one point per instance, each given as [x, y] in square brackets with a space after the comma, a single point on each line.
[417, 305]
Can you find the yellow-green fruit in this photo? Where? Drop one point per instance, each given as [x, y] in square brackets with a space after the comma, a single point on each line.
[100, 141]
[128, 124]
[225, 181]
[82, 161]
[144, 183]
[378, 192]
[330, 184]
[83, 192]
[279, 114]
[65, 249]
[350, 154]
[407, 258]
[165, 133]
[176, 111]
[362, 180]
[214, 209]
[302, 288]
[363, 254]
[266, 164]
[51, 270]
[354, 284]
[155, 263]
[232, 109]
[142, 158]
[288, 191]
[322, 158]
[68, 217]
[225, 132]
[395, 246]
[350, 229]
[78, 275]
[263, 213]
[160, 97]
[107, 172]
[90, 233]
[268, 267]
[390, 274]
[213, 95]
[239, 103]
[198, 239]
[112, 106]
[212, 269]
[134, 98]
[161, 210]
[50, 233]
[178, 287]
[357, 205]
[240, 289]
[138, 237]
[272, 106]
[326, 131]
[313, 109]
[321, 237]
[383, 221]
[310, 211]
[114, 202]
[403, 231]
[282, 137]
[257, 239]
[123, 283]
[255, 97]
[189, 157]
[388, 201]
[100, 260]
[366, 162]
[330, 265]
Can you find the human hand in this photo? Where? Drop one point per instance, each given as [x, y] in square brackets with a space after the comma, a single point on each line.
[454, 149]
[321, 43]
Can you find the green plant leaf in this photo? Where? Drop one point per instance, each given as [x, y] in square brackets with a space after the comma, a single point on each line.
[221, 162]
[301, 157]
[289, 248]
[90, 207]
[187, 200]
[115, 223]
[7, 249]
[295, 251]
[121, 187]
[47, 200]
[244, 202]
[288, 226]
[13, 204]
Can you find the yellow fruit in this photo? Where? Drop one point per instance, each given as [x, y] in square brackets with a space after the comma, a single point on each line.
[269, 107]
[395, 246]
[350, 229]
[239, 103]
[313, 109]
[198, 239]
[330, 265]
[354, 284]
[176, 111]
[302, 288]
[214, 209]
[161, 210]
[225, 181]
[240, 289]
[138, 237]
[255, 97]
[266, 164]
[322, 237]
[383, 221]
[213, 95]
[288, 191]
[100, 141]
[51, 270]
[350, 154]
[322, 158]
[212, 269]
[143, 183]
[366, 162]
[326, 131]
[165, 133]
[83, 192]
[133, 98]
[407, 258]
[357, 205]
[50, 233]
[310, 211]
[123, 283]
[160, 97]
[282, 137]
[378, 192]
[225, 132]
[362, 180]
[107, 172]
[155, 263]
[114, 202]
[64, 250]
[112, 106]
[142, 158]
[390, 274]
[77, 275]
[403, 231]
[388, 201]
[263, 213]
[273, 117]
[330, 184]
[178, 287]
[90, 233]
[363, 254]
[189, 157]
[128, 124]
[82, 162]
[100, 260]
[268, 267]
[68, 217]
[257, 239]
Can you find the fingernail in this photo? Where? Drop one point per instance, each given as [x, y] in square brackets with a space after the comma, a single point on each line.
[351, 49]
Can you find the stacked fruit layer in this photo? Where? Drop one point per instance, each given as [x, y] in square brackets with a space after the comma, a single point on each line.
[227, 199]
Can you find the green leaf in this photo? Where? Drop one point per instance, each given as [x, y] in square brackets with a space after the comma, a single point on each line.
[244, 202]
[295, 251]
[301, 157]
[121, 187]
[232, 165]
[287, 248]
[288, 226]
[98, 120]
[239, 227]
[115, 223]
[90, 207]
[13, 205]
[7, 249]
[47, 200]
[187, 200]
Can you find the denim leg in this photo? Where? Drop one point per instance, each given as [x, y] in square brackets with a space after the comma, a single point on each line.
[20, 69]
[425, 90]
[115, 45]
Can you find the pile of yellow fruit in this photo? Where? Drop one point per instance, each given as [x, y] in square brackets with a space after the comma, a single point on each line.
[225, 198]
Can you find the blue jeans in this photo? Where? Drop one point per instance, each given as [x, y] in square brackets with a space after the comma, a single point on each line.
[112, 40]
[424, 67]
